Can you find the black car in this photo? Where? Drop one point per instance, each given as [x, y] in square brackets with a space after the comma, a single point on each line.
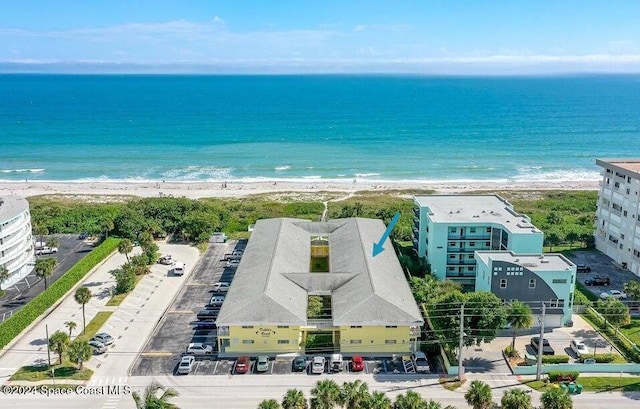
[83, 235]
[583, 268]
[546, 347]
[207, 315]
[203, 325]
[598, 280]
[299, 364]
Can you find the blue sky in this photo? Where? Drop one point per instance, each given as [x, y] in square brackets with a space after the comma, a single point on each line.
[456, 37]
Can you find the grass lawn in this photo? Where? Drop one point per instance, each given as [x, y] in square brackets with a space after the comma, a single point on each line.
[632, 330]
[595, 384]
[67, 370]
[118, 298]
[450, 383]
[94, 326]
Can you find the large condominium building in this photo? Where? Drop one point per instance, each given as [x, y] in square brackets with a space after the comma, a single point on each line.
[449, 229]
[532, 279]
[367, 306]
[618, 216]
[16, 245]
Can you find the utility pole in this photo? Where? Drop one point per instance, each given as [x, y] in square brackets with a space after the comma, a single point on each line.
[540, 342]
[461, 343]
[46, 328]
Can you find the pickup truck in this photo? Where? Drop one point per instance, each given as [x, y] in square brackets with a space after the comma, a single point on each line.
[597, 280]
[546, 347]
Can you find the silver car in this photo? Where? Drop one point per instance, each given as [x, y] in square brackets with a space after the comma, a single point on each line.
[317, 366]
[104, 338]
[97, 347]
[186, 364]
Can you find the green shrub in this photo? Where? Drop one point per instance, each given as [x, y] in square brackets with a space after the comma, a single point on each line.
[125, 280]
[600, 358]
[511, 352]
[555, 359]
[13, 326]
[562, 376]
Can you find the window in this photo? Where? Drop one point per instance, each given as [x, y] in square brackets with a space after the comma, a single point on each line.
[451, 269]
[356, 326]
[532, 283]
[487, 243]
[283, 341]
[355, 341]
[469, 268]
[488, 229]
[391, 326]
[617, 207]
[247, 326]
[452, 256]
[559, 281]
[472, 229]
[622, 236]
[247, 341]
[452, 229]
[616, 184]
[283, 326]
[472, 244]
[503, 283]
[390, 341]
[628, 190]
[452, 244]
[624, 213]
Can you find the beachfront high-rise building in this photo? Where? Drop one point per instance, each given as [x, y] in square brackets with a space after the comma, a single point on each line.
[618, 215]
[448, 229]
[16, 245]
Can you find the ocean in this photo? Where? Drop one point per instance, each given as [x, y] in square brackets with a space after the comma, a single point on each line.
[375, 128]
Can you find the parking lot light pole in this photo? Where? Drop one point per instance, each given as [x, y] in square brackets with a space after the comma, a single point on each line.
[540, 343]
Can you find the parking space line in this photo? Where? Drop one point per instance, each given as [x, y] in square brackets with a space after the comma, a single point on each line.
[156, 353]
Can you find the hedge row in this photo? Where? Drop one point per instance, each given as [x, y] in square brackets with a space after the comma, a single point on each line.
[555, 359]
[14, 325]
[561, 376]
[600, 358]
[626, 349]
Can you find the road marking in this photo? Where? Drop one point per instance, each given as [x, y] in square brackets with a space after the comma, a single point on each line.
[215, 368]
[180, 312]
[156, 353]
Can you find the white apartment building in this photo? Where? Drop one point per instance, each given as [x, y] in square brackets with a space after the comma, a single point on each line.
[618, 215]
[16, 246]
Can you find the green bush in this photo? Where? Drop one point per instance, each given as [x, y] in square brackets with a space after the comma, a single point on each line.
[13, 326]
[555, 359]
[125, 280]
[511, 352]
[600, 358]
[562, 376]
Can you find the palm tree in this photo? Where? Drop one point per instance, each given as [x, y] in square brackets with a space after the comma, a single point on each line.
[82, 296]
[354, 394]
[269, 404]
[479, 395]
[106, 226]
[325, 395]
[516, 399]
[432, 404]
[294, 399]
[79, 352]
[125, 247]
[519, 316]
[53, 242]
[4, 275]
[556, 398]
[411, 400]
[378, 400]
[151, 400]
[58, 342]
[41, 231]
[71, 325]
[44, 268]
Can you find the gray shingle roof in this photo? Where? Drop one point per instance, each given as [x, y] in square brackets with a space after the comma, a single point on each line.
[272, 282]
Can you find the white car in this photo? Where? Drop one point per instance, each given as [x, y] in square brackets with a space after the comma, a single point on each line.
[46, 250]
[97, 347]
[104, 338]
[167, 260]
[221, 287]
[579, 347]
[198, 348]
[233, 263]
[619, 295]
[420, 362]
[317, 366]
[186, 364]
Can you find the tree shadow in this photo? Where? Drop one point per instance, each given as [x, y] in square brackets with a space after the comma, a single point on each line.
[479, 365]
[104, 293]
[39, 341]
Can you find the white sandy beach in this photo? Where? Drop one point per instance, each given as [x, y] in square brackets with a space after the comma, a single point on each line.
[196, 190]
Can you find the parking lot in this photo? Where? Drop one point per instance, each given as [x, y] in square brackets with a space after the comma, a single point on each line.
[601, 265]
[176, 329]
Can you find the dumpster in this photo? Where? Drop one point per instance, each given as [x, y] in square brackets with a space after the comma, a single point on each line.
[572, 388]
[578, 389]
[564, 387]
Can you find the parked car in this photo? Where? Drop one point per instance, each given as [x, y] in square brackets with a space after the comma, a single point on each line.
[205, 325]
[46, 250]
[97, 347]
[420, 362]
[262, 364]
[233, 263]
[583, 268]
[198, 348]
[221, 287]
[84, 235]
[167, 260]
[598, 280]
[186, 364]
[546, 347]
[104, 338]
[357, 364]
[336, 363]
[178, 268]
[207, 315]
[579, 347]
[243, 364]
[216, 301]
[317, 365]
[299, 363]
[619, 295]
[237, 252]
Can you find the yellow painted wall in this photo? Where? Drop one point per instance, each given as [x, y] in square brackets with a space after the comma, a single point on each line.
[265, 339]
[374, 339]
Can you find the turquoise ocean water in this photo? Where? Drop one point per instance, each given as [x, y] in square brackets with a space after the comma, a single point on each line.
[196, 128]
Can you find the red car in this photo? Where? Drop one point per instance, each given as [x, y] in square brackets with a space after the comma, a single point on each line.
[243, 364]
[357, 364]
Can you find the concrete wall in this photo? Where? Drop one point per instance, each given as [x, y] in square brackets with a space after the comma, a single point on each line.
[262, 339]
[375, 340]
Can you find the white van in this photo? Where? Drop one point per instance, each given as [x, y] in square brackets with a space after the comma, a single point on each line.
[178, 269]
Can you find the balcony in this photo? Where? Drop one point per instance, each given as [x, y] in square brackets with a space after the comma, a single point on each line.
[485, 237]
[320, 323]
[465, 274]
[469, 262]
[465, 249]
[416, 212]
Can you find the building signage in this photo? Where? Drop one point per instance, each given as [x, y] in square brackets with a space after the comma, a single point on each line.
[265, 332]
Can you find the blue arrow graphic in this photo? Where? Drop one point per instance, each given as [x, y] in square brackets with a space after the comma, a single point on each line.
[377, 247]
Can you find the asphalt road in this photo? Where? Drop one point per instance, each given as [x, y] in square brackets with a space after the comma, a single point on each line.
[70, 251]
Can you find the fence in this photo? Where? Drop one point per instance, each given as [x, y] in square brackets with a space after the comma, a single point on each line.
[625, 342]
[7, 314]
[587, 368]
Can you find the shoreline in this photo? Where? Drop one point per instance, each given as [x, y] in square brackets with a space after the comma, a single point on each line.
[196, 190]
